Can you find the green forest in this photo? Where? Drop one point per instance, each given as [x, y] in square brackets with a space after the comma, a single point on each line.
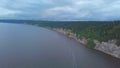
[100, 30]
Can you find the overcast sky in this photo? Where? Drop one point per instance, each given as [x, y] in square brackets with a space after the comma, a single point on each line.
[60, 9]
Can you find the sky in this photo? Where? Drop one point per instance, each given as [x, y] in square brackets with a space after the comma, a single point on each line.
[60, 9]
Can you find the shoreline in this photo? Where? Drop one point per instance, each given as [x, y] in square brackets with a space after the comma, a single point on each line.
[99, 46]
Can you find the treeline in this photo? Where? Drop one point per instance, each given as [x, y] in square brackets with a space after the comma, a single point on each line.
[100, 30]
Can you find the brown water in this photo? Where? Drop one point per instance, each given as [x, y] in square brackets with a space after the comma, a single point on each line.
[26, 46]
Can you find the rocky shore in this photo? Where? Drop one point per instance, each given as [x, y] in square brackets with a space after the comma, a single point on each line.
[107, 47]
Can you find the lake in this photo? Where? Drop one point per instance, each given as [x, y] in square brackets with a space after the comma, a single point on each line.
[27, 46]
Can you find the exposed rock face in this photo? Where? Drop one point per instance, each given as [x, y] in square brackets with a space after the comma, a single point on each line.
[82, 41]
[107, 47]
[71, 35]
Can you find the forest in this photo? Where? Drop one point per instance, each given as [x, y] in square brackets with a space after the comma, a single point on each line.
[100, 30]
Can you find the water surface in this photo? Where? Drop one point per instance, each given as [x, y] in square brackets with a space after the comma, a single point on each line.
[27, 46]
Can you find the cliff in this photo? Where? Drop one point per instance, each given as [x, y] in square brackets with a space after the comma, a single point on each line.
[109, 47]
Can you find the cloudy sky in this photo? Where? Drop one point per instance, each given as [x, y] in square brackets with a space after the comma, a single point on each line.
[60, 9]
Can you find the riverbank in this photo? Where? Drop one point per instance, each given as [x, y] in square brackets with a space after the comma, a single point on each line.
[109, 47]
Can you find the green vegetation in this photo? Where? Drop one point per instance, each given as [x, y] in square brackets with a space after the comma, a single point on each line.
[90, 44]
[100, 30]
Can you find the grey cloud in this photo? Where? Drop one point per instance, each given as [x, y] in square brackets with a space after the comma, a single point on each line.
[61, 9]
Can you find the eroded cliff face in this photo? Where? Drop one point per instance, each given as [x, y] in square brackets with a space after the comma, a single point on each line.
[109, 47]
[71, 35]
